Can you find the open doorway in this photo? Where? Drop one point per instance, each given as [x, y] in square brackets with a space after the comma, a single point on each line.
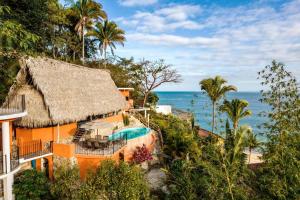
[46, 166]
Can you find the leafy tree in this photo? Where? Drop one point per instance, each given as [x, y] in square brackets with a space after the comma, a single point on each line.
[235, 110]
[150, 75]
[179, 139]
[67, 183]
[119, 181]
[183, 180]
[282, 95]
[87, 10]
[279, 177]
[218, 173]
[215, 89]
[107, 34]
[31, 184]
[14, 37]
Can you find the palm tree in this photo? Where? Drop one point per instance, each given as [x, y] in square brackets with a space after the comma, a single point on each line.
[108, 34]
[233, 158]
[87, 11]
[215, 89]
[252, 143]
[235, 110]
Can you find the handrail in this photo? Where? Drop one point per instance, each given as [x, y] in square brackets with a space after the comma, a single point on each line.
[14, 160]
[12, 106]
[34, 148]
[108, 149]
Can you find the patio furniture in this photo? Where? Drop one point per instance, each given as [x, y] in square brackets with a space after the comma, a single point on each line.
[98, 137]
[89, 144]
[105, 138]
[97, 145]
[103, 143]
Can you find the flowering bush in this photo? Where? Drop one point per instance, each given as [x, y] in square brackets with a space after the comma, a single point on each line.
[141, 154]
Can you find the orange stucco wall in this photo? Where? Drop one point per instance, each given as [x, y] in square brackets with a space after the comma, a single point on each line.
[88, 163]
[46, 134]
[64, 150]
[125, 93]
[115, 118]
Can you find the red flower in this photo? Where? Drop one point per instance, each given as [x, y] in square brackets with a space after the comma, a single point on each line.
[141, 154]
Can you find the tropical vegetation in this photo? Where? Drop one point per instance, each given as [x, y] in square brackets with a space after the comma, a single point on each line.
[196, 167]
[215, 88]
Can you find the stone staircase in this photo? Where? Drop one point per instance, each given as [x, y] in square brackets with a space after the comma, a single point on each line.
[79, 133]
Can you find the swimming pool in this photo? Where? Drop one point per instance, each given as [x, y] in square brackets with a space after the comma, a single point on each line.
[130, 132]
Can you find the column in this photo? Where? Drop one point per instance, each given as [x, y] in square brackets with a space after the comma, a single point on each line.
[8, 181]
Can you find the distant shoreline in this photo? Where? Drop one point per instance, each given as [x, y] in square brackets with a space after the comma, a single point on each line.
[201, 91]
[200, 105]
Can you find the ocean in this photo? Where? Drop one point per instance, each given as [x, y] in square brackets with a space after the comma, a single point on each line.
[200, 105]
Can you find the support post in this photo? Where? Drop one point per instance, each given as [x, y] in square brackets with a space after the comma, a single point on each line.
[58, 133]
[7, 181]
[148, 120]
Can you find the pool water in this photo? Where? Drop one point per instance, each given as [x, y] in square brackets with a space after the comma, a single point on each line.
[130, 132]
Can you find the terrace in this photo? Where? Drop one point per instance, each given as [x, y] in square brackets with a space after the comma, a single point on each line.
[93, 138]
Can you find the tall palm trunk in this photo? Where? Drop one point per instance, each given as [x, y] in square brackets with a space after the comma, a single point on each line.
[105, 57]
[83, 59]
[213, 117]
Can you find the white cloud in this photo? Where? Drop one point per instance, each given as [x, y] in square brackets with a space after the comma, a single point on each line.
[234, 42]
[165, 19]
[130, 3]
[174, 40]
[179, 12]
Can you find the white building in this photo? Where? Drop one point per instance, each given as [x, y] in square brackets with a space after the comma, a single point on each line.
[164, 109]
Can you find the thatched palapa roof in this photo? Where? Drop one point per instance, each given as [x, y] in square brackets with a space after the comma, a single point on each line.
[57, 92]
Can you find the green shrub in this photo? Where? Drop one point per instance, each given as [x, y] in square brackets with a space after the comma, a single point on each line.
[178, 137]
[31, 184]
[119, 182]
[67, 183]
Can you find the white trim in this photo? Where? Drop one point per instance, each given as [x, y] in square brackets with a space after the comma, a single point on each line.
[22, 160]
[13, 116]
[131, 89]
[12, 172]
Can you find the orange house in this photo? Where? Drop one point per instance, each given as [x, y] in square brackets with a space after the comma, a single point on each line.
[72, 111]
[126, 92]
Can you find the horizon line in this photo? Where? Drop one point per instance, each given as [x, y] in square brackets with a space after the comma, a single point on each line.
[198, 91]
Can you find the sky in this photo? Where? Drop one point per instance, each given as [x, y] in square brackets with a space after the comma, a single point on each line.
[204, 38]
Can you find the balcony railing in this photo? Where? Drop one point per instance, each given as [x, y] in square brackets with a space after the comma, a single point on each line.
[14, 160]
[15, 105]
[109, 148]
[34, 148]
[14, 157]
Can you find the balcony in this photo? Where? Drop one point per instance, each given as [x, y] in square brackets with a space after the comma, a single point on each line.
[33, 149]
[98, 147]
[13, 108]
[14, 160]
